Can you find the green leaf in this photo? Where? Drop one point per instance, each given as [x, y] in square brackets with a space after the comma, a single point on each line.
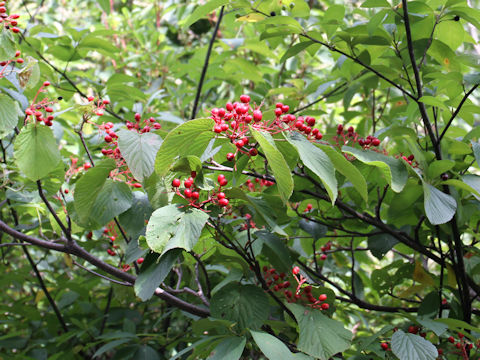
[320, 336]
[393, 169]
[375, 3]
[89, 186]
[139, 151]
[110, 346]
[408, 346]
[190, 138]
[202, 11]
[133, 220]
[8, 113]
[438, 167]
[271, 347]
[246, 305]
[230, 348]
[277, 163]
[476, 151]
[7, 45]
[380, 244]
[439, 207]
[146, 352]
[294, 50]
[473, 181]
[438, 328]
[153, 271]
[347, 169]
[113, 199]
[36, 151]
[316, 160]
[278, 21]
[430, 305]
[433, 101]
[171, 227]
[276, 251]
[455, 324]
[317, 230]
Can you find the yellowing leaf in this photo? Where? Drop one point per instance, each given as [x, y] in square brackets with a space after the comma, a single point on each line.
[421, 276]
[451, 278]
[253, 17]
[68, 260]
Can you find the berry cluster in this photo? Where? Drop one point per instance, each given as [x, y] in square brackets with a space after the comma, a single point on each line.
[301, 294]
[148, 124]
[191, 192]
[351, 137]
[74, 168]
[5, 63]
[234, 120]
[41, 111]
[324, 249]
[9, 21]
[410, 160]
[257, 184]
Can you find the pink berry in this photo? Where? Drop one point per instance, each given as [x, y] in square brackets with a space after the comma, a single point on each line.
[245, 99]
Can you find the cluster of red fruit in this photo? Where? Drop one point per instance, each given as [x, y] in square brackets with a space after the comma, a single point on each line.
[148, 124]
[41, 111]
[110, 233]
[461, 344]
[301, 294]
[409, 159]
[257, 184]
[192, 194]
[5, 63]
[234, 121]
[9, 21]
[352, 137]
[324, 249]
[74, 169]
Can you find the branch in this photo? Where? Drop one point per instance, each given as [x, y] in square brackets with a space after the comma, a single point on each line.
[323, 97]
[459, 107]
[52, 211]
[418, 81]
[205, 64]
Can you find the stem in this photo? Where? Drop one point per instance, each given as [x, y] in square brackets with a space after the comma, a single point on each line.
[205, 64]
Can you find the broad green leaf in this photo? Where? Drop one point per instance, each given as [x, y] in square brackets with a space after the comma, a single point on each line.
[29, 76]
[246, 305]
[439, 207]
[271, 347]
[8, 113]
[113, 199]
[473, 181]
[189, 138]
[451, 33]
[230, 348]
[455, 324]
[145, 352]
[202, 11]
[430, 305]
[408, 346]
[375, 3]
[438, 328]
[277, 163]
[171, 227]
[7, 45]
[316, 230]
[153, 271]
[476, 151]
[380, 244]
[36, 151]
[347, 169]
[133, 220]
[139, 151]
[393, 169]
[438, 167]
[433, 101]
[276, 251]
[295, 49]
[89, 186]
[110, 346]
[320, 336]
[278, 21]
[470, 184]
[317, 161]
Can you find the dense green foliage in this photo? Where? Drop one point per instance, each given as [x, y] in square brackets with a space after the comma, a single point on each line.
[240, 179]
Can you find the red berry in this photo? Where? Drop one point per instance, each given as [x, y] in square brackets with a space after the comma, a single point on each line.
[322, 297]
[20, 61]
[87, 166]
[279, 105]
[15, 30]
[195, 195]
[458, 345]
[323, 257]
[384, 346]
[257, 115]
[285, 108]
[90, 98]
[176, 183]
[411, 157]
[451, 339]
[325, 306]
[221, 112]
[221, 195]
[230, 156]
[224, 182]
[310, 121]
[339, 129]
[137, 185]
[286, 284]
[223, 202]
[245, 99]
[229, 106]
[376, 142]
[66, 191]
[295, 270]
[108, 138]
[140, 260]
[422, 334]
[14, 16]
[253, 152]
[239, 144]
[217, 129]
[460, 335]
[412, 329]
[187, 183]
[3, 10]
[187, 193]
[112, 238]
[278, 111]
[137, 117]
